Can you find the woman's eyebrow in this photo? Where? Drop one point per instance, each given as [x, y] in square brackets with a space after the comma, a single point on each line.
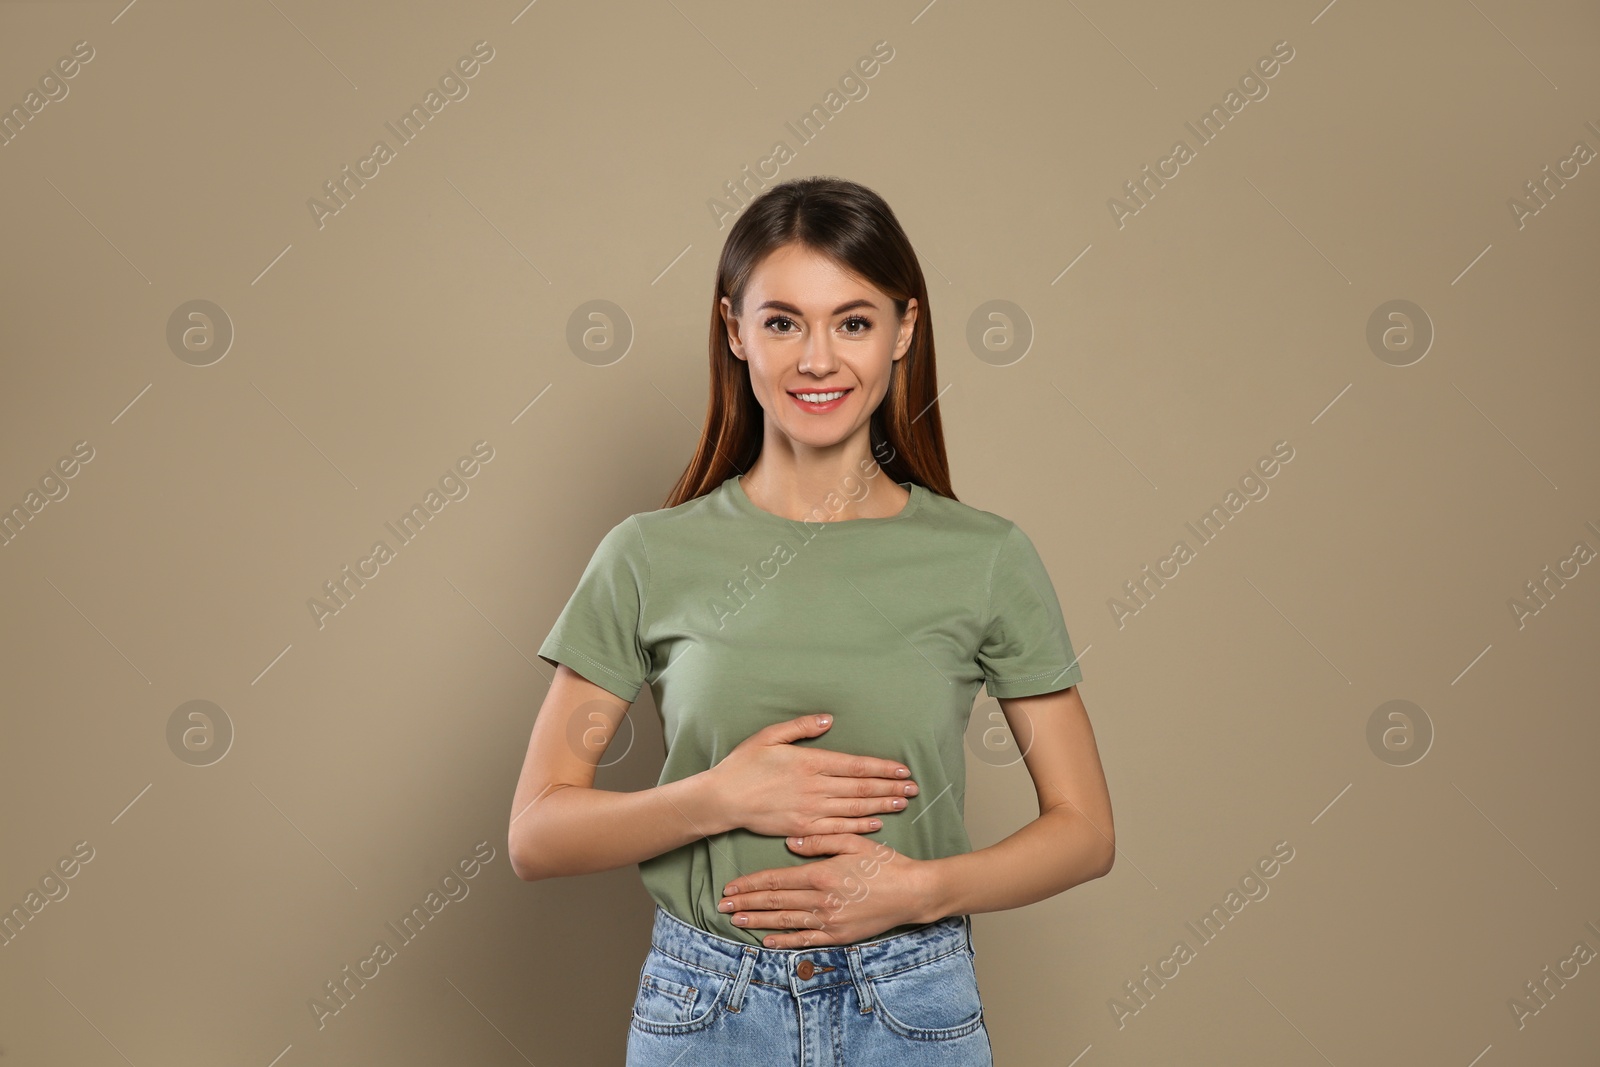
[791, 309]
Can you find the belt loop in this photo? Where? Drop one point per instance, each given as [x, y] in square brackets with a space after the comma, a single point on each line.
[967, 922]
[858, 975]
[741, 981]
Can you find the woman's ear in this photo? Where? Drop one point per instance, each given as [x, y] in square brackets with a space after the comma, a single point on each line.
[908, 323]
[731, 324]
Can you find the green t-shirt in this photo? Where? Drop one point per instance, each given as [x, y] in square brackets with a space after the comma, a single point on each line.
[739, 618]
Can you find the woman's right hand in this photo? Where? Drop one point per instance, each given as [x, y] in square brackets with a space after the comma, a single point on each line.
[769, 786]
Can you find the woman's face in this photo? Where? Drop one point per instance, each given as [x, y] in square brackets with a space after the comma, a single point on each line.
[810, 327]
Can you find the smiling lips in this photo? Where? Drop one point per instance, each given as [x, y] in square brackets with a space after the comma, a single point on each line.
[819, 400]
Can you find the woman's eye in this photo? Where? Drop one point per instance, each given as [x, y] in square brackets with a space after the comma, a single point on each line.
[779, 318]
[866, 324]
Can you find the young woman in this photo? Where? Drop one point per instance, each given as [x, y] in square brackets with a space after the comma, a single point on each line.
[814, 612]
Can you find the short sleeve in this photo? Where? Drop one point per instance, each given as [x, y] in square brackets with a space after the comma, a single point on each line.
[598, 633]
[1025, 649]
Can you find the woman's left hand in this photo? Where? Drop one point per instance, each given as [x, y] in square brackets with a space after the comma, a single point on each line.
[862, 888]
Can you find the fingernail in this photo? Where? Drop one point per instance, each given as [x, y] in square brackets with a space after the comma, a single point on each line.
[726, 905]
[728, 891]
[876, 823]
[741, 920]
[902, 773]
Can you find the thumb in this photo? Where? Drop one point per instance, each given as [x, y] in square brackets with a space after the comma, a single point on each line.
[825, 844]
[797, 728]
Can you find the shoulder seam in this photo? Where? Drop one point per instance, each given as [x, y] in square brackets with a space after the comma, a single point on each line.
[649, 573]
[988, 591]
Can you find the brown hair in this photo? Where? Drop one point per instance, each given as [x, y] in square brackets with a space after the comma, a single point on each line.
[853, 226]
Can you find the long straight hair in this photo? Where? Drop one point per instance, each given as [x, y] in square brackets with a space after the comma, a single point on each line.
[853, 226]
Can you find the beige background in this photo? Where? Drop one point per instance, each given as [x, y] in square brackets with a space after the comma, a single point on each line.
[371, 753]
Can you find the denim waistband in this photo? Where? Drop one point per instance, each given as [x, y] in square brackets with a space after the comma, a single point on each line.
[828, 964]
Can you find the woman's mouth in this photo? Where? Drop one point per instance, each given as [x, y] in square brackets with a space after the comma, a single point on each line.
[818, 401]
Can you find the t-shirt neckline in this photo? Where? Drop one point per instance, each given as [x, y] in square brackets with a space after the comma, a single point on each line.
[743, 502]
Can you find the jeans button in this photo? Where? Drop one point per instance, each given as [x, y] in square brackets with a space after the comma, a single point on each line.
[806, 969]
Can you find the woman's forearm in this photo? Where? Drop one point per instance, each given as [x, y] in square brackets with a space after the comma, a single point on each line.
[1053, 853]
[572, 830]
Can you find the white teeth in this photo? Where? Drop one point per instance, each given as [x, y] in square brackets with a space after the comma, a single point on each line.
[820, 398]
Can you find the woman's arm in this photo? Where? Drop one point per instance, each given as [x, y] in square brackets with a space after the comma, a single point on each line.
[557, 830]
[1072, 840]
[561, 825]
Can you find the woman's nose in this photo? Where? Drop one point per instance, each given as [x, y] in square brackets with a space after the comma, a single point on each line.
[819, 358]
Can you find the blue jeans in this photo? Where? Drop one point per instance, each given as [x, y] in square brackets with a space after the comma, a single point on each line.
[707, 1001]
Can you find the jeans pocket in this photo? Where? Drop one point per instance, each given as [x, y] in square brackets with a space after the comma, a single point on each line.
[676, 997]
[933, 1001]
